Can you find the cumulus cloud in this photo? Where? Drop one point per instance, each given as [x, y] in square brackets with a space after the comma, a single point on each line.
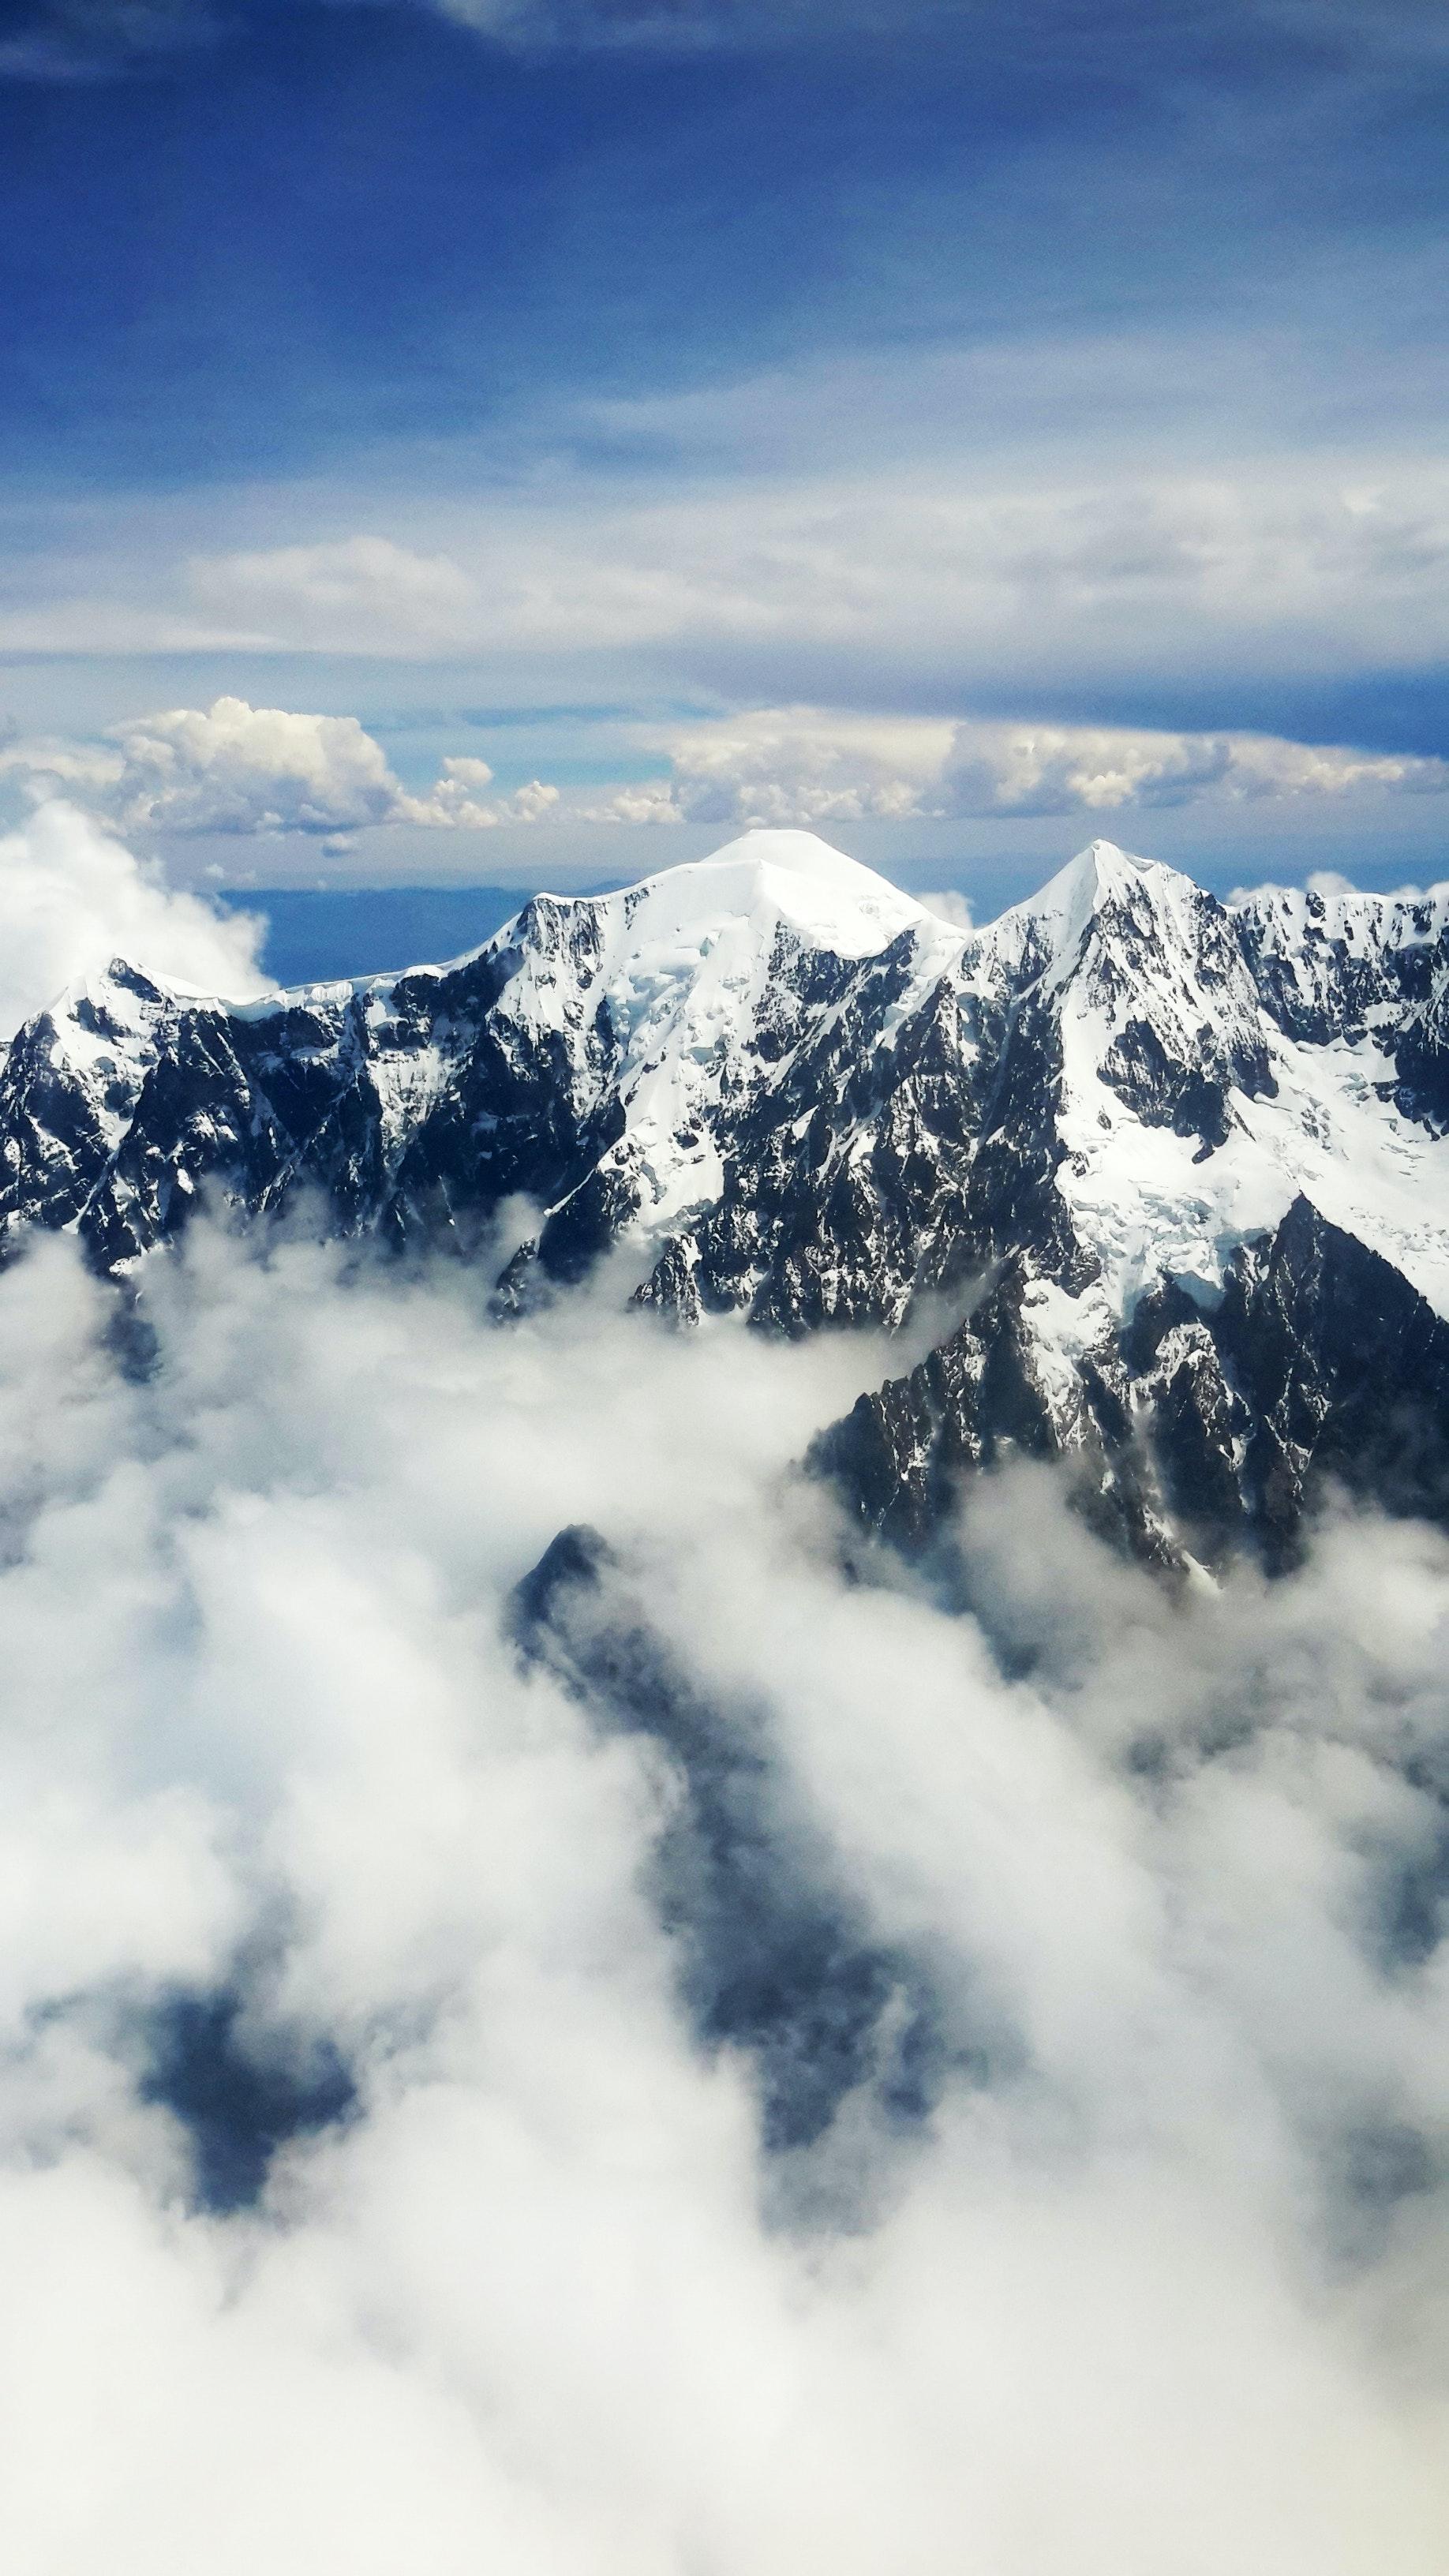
[234, 768]
[238, 768]
[1050, 769]
[1132, 2258]
[227, 768]
[791, 765]
[811, 765]
[72, 898]
[458, 798]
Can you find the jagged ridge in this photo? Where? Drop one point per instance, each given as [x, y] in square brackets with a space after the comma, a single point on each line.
[1148, 1138]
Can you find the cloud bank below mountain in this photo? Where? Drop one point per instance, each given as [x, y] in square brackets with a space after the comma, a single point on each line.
[1157, 2281]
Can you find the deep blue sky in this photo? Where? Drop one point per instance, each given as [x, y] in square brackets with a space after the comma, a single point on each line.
[656, 340]
[333, 225]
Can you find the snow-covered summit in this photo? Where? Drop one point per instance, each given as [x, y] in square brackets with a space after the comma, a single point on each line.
[769, 876]
[1105, 899]
[1101, 873]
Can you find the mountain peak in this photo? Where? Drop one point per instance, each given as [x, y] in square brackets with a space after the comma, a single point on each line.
[1099, 879]
[805, 853]
[1101, 873]
[784, 875]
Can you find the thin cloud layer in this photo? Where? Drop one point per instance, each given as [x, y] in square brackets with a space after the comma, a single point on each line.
[69, 40]
[970, 569]
[349, 585]
[1088, 574]
[63, 40]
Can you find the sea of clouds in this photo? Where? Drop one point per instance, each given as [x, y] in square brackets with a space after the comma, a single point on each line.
[407, 2004]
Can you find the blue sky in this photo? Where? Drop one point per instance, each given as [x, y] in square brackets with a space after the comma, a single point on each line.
[965, 427]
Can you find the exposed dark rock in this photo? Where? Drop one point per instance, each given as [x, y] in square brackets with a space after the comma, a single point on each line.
[774, 1955]
[1319, 1368]
[238, 2103]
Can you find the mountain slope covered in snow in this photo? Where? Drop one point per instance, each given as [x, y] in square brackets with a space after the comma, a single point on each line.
[1173, 1174]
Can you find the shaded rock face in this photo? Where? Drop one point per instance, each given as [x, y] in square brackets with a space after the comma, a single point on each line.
[410, 1109]
[978, 1399]
[1173, 1173]
[775, 1959]
[236, 2107]
[1205, 1430]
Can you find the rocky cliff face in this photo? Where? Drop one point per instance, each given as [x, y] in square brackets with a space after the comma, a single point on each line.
[1173, 1173]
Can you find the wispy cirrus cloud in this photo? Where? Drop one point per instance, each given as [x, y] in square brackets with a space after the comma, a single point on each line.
[80, 39]
[690, 26]
[67, 40]
[71, 40]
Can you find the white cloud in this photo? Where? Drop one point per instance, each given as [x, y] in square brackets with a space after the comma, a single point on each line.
[457, 800]
[1058, 769]
[227, 768]
[966, 573]
[945, 564]
[1160, 2282]
[364, 588]
[809, 765]
[800, 765]
[71, 899]
[243, 770]
[238, 768]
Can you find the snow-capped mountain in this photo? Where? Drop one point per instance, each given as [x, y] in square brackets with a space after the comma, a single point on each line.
[1174, 1171]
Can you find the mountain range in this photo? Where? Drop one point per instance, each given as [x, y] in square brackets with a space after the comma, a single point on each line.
[1163, 1180]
